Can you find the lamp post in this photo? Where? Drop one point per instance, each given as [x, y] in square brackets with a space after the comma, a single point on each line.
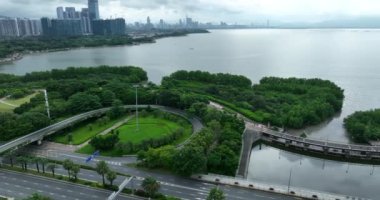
[290, 178]
[137, 109]
[47, 103]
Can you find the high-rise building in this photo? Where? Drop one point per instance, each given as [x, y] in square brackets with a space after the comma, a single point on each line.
[109, 26]
[149, 24]
[86, 22]
[93, 7]
[70, 12]
[24, 27]
[60, 13]
[46, 26]
[36, 27]
[9, 27]
[66, 27]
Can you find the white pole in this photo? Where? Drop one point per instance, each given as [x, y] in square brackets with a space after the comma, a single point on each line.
[137, 111]
[290, 179]
[47, 103]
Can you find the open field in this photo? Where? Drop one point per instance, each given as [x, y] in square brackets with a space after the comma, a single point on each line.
[7, 105]
[85, 132]
[149, 128]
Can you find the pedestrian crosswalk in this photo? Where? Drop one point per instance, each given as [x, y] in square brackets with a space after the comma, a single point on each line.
[111, 162]
[114, 163]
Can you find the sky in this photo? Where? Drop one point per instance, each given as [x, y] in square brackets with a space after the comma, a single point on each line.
[230, 11]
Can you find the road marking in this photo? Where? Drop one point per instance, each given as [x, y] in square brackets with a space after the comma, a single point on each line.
[263, 196]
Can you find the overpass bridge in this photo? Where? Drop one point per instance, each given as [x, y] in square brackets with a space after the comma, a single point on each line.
[256, 133]
[38, 136]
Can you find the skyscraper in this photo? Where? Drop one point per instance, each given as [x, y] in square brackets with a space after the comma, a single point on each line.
[93, 8]
[70, 12]
[60, 13]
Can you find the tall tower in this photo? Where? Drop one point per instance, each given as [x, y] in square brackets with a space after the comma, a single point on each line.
[60, 13]
[93, 8]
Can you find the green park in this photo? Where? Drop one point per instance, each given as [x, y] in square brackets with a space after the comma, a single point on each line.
[292, 103]
[8, 104]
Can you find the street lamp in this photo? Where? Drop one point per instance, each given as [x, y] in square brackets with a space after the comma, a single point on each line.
[290, 178]
[137, 109]
[47, 103]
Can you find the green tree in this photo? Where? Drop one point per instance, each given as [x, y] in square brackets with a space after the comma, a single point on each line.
[107, 98]
[52, 167]
[68, 165]
[216, 194]
[111, 176]
[10, 155]
[38, 197]
[189, 160]
[43, 162]
[150, 186]
[82, 102]
[23, 161]
[117, 109]
[75, 170]
[102, 169]
[36, 160]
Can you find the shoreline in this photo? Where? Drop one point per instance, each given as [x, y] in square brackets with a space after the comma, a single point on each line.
[144, 39]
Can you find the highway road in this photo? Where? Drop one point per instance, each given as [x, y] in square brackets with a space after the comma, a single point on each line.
[184, 188]
[171, 184]
[20, 185]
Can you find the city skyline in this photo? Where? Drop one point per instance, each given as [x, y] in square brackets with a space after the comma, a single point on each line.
[240, 11]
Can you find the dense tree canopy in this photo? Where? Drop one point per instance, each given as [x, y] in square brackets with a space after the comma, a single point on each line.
[70, 91]
[21, 45]
[364, 126]
[12, 125]
[215, 149]
[289, 102]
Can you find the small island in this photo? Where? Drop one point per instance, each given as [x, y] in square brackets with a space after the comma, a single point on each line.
[364, 126]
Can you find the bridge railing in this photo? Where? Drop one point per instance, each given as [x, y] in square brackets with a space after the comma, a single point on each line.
[322, 143]
[275, 188]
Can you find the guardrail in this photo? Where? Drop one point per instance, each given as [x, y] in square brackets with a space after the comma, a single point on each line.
[279, 189]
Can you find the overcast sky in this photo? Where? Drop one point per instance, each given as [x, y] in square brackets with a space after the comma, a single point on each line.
[231, 11]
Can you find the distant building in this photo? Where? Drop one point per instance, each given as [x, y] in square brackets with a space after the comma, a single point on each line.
[71, 13]
[148, 24]
[19, 27]
[46, 26]
[61, 27]
[93, 7]
[60, 13]
[85, 20]
[66, 27]
[9, 27]
[109, 27]
[161, 25]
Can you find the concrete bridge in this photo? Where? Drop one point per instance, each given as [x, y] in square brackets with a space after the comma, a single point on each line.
[256, 133]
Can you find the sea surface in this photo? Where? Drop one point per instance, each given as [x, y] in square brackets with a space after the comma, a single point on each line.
[348, 57]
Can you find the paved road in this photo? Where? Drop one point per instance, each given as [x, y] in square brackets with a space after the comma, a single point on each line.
[20, 185]
[171, 185]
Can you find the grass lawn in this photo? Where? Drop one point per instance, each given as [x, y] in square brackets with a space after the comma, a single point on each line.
[83, 133]
[16, 102]
[150, 128]
[5, 108]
